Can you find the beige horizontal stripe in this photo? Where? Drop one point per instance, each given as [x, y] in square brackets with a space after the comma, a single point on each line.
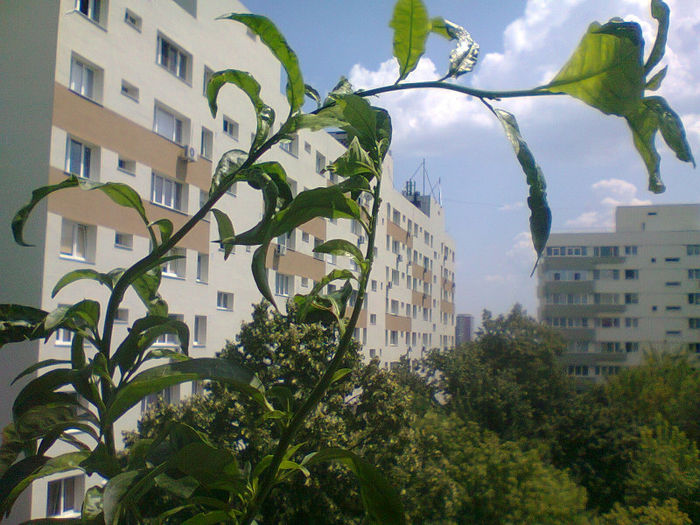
[94, 207]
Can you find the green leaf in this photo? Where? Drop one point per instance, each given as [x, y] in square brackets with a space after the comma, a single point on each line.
[355, 161]
[212, 467]
[340, 374]
[661, 12]
[121, 194]
[606, 69]
[78, 317]
[540, 214]
[77, 352]
[102, 462]
[114, 491]
[671, 128]
[38, 194]
[380, 499]
[20, 323]
[463, 57]
[226, 172]
[273, 39]
[260, 272]
[654, 82]
[261, 233]
[166, 229]
[143, 334]
[264, 114]
[226, 232]
[342, 247]
[20, 475]
[313, 94]
[153, 380]
[342, 88]
[77, 275]
[328, 202]
[37, 366]
[38, 391]
[411, 26]
[209, 518]
[146, 287]
[92, 502]
[275, 171]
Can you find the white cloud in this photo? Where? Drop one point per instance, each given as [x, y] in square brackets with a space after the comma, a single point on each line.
[420, 113]
[522, 251]
[519, 205]
[611, 194]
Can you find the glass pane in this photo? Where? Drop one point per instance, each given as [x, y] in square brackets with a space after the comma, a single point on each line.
[68, 494]
[74, 157]
[88, 82]
[76, 75]
[167, 193]
[67, 238]
[81, 240]
[53, 498]
[85, 172]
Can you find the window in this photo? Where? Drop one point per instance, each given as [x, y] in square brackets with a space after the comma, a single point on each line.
[129, 90]
[394, 307]
[631, 275]
[169, 125]
[231, 128]
[395, 277]
[630, 250]
[167, 396]
[176, 268]
[200, 330]
[170, 339]
[372, 318]
[126, 165]
[631, 298]
[374, 285]
[74, 240]
[394, 338]
[282, 284]
[694, 323]
[631, 347]
[673, 283]
[320, 162]
[672, 259]
[80, 159]
[305, 282]
[694, 347]
[606, 251]
[64, 496]
[207, 144]
[132, 19]
[122, 315]
[64, 337]
[202, 268]
[224, 301]
[291, 146]
[694, 273]
[167, 192]
[85, 79]
[693, 249]
[631, 322]
[207, 77]
[124, 240]
[173, 58]
[694, 298]
[673, 308]
[90, 8]
[318, 255]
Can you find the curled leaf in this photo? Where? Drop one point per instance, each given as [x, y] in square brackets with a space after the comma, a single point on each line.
[540, 214]
[463, 57]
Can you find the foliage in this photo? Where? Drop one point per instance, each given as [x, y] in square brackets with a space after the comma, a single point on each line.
[667, 513]
[509, 380]
[666, 463]
[98, 382]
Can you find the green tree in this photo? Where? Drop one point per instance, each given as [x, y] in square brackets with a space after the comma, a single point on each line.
[652, 513]
[665, 465]
[509, 380]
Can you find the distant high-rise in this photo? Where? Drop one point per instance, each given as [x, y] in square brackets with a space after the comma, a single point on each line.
[464, 326]
[614, 295]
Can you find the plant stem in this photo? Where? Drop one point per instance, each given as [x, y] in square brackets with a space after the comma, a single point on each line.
[437, 84]
[322, 386]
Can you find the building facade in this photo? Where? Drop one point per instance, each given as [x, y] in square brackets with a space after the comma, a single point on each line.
[113, 90]
[464, 327]
[615, 295]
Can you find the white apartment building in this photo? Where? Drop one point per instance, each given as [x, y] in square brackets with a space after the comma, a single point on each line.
[113, 90]
[614, 295]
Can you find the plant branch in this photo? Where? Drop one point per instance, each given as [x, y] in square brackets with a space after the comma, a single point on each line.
[322, 386]
[439, 84]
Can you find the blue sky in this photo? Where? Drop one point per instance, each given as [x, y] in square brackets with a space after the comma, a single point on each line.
[587, 158]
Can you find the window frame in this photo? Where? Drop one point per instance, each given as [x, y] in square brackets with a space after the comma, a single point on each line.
[177, 193]
[173, 58]
[180, 124]
[85, 160]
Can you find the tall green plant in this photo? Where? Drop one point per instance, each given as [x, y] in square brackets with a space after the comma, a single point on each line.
[90, 390]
